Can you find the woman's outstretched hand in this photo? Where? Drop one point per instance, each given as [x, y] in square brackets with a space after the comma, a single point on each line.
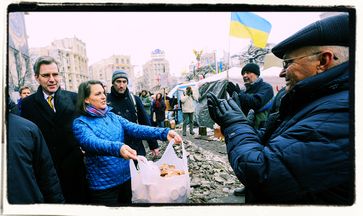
[128, 153]
[173, 135]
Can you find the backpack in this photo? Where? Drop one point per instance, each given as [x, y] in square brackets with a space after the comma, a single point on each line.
[132, 96]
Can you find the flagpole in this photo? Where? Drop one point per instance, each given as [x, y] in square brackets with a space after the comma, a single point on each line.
[215, 59]
[229, 57]
[229, 50]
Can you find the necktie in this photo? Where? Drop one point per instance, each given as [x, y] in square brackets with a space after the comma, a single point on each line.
[49, 99]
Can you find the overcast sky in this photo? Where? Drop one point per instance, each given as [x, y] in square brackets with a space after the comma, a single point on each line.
[138, 33]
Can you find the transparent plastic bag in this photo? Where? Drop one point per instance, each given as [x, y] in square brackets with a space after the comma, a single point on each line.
[149, 187]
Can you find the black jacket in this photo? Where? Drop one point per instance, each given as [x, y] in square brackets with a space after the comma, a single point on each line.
[124, 106]
[309, 157]
[56, 128]
[31, 175]
[256, 96]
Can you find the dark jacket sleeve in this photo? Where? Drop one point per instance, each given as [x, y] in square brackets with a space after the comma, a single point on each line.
[305, 158]
[144, 120]
[256, 100]
[44, 171]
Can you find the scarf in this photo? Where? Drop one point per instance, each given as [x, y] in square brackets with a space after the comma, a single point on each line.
[248, 85]
[91, 110]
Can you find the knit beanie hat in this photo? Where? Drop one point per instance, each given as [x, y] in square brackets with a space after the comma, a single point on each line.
[251, 67]
[119, 74]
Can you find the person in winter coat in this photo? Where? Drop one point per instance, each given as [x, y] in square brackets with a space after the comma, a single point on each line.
[129, 106]
[308, 158]
[101, 135]
[158, 107]
[188, 109]
[52, 109]
[146, 101]
[23, 93]
[31, 175]
[257, 95]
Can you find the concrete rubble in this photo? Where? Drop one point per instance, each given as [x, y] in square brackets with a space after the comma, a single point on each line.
[212, 178]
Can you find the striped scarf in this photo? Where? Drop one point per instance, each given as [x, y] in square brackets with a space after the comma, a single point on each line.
[96, 112]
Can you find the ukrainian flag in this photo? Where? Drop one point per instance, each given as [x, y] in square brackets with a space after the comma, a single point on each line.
[249, 25]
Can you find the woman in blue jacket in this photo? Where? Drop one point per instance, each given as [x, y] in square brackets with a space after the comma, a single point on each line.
[101, 135]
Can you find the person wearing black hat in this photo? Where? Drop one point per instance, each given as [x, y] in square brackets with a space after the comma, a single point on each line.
[257, 96]
[308, 157]
[129, 106]
[254, 101]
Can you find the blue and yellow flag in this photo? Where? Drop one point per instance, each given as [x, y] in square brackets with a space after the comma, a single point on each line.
[249, 25]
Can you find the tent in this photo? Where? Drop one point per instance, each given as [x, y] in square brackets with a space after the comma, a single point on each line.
[176, 93]
[217, 83]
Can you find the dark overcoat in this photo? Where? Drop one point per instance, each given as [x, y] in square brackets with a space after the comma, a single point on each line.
[309, 157]
[31, 175]
[56, 128]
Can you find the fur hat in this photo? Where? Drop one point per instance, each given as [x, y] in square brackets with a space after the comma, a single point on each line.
[119, 74]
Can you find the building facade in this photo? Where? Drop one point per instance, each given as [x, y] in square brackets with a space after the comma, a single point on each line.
[156, 72]
[71, 55]
[19, 63]
[102, 70]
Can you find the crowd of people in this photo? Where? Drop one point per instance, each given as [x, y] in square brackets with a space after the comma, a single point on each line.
[293, 147]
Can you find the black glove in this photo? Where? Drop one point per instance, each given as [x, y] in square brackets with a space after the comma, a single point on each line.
[251, 117]
[224, 112]
[232, 88]
[235, 97]
[251, 114]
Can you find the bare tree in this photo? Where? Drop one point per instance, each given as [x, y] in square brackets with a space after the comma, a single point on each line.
[253, 54]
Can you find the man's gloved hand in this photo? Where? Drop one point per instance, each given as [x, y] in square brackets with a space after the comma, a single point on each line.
[235, 97]
[251, 117]
[224, 112]
[251, 114]
[232, 88]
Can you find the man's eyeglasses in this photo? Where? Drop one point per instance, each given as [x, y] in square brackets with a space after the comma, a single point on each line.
[287, 62]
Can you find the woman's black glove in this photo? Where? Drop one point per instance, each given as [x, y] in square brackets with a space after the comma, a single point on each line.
[232, 88]
[224, 112]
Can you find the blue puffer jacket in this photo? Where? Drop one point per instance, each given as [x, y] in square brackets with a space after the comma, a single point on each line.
[101, 138]
[309, 156]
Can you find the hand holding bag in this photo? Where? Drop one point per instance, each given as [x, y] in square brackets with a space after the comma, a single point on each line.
[149, 187]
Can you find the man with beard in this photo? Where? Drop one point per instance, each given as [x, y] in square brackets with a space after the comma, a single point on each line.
[253, 101]
[129, 106]
[256, 97]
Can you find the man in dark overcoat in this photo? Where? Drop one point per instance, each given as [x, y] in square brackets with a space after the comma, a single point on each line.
[31, 175]
[53, 111]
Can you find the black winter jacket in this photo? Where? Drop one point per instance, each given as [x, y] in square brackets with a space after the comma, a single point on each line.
[31, 175]
[256, 96]
[124, 106]
[57, 130]
[309, 157]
